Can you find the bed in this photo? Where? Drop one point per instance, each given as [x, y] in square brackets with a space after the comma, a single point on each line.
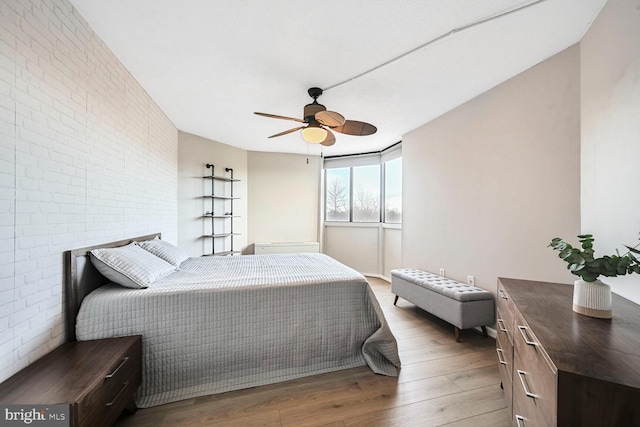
[217, 324]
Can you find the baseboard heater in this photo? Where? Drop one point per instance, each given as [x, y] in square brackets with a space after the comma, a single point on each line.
[285, 247]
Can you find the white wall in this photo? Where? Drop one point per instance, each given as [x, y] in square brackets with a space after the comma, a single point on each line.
[284, 197]
[489, 184]
[392, 250]
[372, 249]
[86, 158]
[194, 153]
[610, 69]
[355, 245]
[279, 194]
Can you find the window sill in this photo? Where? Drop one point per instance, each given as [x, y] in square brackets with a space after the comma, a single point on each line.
[362, 225]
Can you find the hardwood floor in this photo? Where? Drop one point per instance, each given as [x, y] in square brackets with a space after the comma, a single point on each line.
[442, 383]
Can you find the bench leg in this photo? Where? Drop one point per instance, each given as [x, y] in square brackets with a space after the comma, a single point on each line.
[395, 300]
[484, 331]
[457, 334]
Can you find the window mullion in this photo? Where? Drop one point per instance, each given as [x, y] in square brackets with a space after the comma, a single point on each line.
[351, 194]
[383, 196]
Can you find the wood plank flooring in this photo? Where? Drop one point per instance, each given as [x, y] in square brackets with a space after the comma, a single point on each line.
[442, 383]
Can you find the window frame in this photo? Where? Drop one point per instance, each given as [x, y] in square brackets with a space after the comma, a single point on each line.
[382, 208]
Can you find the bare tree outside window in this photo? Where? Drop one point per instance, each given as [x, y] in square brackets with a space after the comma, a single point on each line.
[366, 198]
[337, 201]
[337, 195]
[365, 204]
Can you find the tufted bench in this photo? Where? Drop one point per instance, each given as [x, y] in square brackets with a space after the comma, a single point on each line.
[461, 305]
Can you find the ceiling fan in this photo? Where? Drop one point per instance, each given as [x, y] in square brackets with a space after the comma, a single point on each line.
[319, 123]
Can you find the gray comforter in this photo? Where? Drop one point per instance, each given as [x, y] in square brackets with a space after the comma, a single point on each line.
[226, 323]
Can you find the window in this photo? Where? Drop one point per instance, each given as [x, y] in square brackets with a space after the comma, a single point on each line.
[364, 188]
[353, 194]
[366, 193]
[393, 191]
[337, 194]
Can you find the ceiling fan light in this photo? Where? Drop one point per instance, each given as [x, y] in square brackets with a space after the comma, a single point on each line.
[314, 134]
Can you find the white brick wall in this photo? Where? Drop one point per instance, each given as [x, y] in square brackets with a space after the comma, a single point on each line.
[86, 157]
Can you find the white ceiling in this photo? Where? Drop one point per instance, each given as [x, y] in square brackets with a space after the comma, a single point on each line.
[209, 64]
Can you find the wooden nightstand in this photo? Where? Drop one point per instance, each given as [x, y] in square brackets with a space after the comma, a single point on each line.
[97, 379]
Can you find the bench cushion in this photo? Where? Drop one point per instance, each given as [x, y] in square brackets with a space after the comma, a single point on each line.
[442, 285]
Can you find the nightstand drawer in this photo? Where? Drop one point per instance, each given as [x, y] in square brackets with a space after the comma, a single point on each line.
[114, 390]
[96, 378]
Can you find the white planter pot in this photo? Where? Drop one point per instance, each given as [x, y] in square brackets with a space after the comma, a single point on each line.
[592, 299]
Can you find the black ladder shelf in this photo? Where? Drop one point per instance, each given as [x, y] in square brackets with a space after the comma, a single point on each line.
[221, 223]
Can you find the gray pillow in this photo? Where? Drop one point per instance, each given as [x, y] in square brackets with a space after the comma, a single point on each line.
[130, 266]
[168, 252]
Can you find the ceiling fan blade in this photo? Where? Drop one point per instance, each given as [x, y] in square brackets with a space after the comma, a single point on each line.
[329, 140]
[274, 116]
[287, 131]
[330, 118]
[354, 127]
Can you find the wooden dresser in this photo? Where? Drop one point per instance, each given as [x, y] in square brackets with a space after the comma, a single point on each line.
[97, 379]
[560, 368]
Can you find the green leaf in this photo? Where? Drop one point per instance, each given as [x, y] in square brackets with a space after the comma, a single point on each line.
[576, 267]
[564, 254]
[586, 243]
[583, 263]
[634, 250]
[585, 236]
[621, 270]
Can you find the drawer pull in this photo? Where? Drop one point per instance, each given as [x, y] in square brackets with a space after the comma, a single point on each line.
[521, 375]
[501, 325]
[503, 294]
[501, 356]
[520, 421]
[124, 387]
[526, 339]
[117, 368]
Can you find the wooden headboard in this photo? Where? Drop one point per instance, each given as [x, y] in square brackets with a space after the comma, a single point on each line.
[81, 277]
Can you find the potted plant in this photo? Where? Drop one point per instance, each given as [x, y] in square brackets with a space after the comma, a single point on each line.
[592, 297]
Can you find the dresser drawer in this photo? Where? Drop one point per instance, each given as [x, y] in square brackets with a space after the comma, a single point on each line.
[580, 371]
[505, 366]
[505, 317]
[504, 345]
[504, 348]
[534, 379]
[520, 418]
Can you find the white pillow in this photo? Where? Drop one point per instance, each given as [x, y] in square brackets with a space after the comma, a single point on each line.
[168, 252]
[130, 266]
